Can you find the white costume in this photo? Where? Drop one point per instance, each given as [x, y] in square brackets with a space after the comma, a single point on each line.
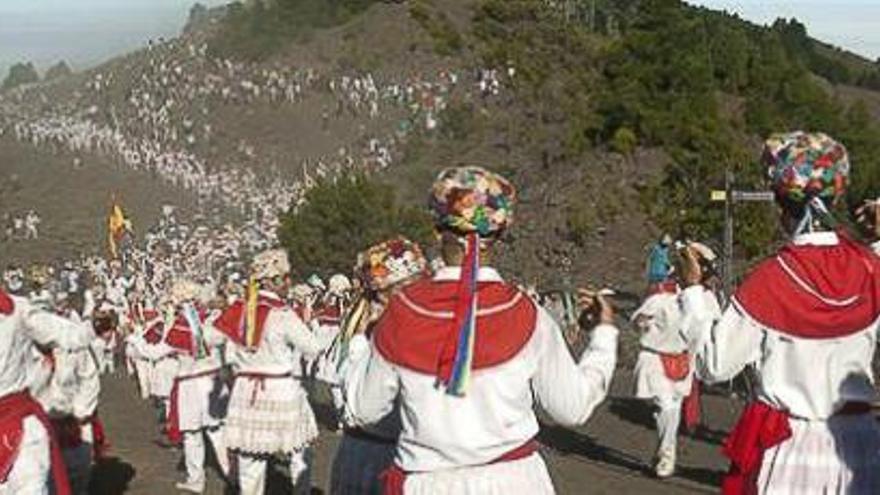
[269, 412]
[69, 395]
[456, 445]
[813, 374]
[667, 383]
[198, 407]
[20, 326]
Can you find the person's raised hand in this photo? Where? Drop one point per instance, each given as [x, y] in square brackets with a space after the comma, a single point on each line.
[596, 305]
[692, 272]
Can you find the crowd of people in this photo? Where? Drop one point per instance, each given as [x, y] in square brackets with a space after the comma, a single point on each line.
[22, 226]
[434, 366]
[155, 111]
[437, 366]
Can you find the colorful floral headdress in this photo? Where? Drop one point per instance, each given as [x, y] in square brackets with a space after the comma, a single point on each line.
[475, 204]
[803, 166]
[472, 200]
[807, 169]
[389, 263]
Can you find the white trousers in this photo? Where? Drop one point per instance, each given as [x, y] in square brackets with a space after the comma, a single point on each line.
[252, 473]
[194, 453]
[142, 369]
[30, 474]
[668, 418]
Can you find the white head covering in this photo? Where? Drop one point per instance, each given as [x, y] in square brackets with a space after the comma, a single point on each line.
[339, 284]
[302, 292]
[271, 263]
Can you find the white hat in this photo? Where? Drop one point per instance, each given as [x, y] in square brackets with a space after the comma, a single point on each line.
[703, 250]
[339, 284]
[302, 292]
[316, 283]
[271, 263]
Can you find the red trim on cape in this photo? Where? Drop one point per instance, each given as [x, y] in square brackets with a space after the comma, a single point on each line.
[416, 338]
[815, 292]
[154, 332]
[14, 409]
[232, 321]
[7, 305]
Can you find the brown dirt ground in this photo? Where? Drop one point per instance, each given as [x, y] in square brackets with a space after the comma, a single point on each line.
[609, 455]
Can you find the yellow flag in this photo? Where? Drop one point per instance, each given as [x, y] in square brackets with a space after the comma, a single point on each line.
[115, 228]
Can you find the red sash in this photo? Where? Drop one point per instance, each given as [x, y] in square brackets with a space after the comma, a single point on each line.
[394, 478]
[172, 426]
[691, 408]
[7, 305]
[101, 444]
[676, 366]
[14, 409]
[760, 427]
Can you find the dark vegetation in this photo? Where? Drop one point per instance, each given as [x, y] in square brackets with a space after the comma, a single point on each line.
[344, 217]
[593, 79]
[261, 28]
[58, 71]
[20, 74]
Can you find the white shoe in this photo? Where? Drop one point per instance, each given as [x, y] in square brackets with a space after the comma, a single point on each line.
[191, 486]
[665, 466]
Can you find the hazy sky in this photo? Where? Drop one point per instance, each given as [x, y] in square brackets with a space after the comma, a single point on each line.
[851, 24]
[85, 32]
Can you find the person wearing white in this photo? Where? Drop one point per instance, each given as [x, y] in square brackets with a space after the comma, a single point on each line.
[474, 437]
[269, 411]
[199, 396]
[807, 320]
[22, 326]
[663, 373]
[365, 452]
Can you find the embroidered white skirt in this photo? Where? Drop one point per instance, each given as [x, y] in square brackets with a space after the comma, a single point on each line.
[269, 416]
[357, 466]
[162, 377]
[527, 475]
[651, 380]
[202, 402]
[838, 456]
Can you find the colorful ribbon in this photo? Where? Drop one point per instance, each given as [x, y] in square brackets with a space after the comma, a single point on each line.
[466, 319]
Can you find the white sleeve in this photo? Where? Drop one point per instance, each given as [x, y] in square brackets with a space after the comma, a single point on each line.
[213, 337]
[86, 399]
[48, 329]
[570, 391]
[298, 335]
[370, 383]
[722, 344]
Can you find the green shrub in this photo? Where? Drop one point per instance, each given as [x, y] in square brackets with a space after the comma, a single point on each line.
[259, 30]
[20, 74]
[447, 39]
[342, 218]
[624, 141]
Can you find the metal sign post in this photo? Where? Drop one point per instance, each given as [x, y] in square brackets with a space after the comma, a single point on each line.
[729, 196]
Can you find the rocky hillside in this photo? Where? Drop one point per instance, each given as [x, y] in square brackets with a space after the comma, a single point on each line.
[614, 126]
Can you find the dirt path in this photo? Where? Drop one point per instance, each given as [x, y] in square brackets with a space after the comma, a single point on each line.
[608, 456]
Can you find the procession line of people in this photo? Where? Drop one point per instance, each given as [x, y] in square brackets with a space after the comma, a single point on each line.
[437, 368]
